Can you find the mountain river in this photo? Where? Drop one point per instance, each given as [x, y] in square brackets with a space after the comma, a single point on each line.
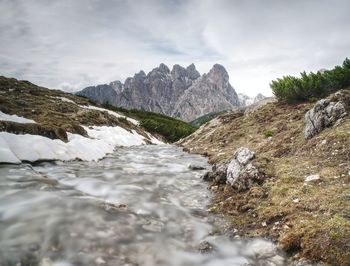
[142, 205]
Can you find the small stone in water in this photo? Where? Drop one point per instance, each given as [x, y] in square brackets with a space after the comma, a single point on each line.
[205, 247]
[196, 167]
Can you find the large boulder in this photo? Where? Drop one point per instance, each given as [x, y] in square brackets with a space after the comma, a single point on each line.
[324, 114]
[241, 173]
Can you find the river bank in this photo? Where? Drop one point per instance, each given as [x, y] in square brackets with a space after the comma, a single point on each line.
[307, 217]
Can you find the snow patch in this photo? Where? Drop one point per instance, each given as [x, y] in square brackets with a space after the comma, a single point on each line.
[103, 140]
[154, 140]
[91, 107]
[15, 118]
[64, 99]
[115, 136]
[6, 155]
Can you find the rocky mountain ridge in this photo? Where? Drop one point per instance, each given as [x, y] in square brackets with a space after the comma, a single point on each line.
[181, 92]
[245, 100]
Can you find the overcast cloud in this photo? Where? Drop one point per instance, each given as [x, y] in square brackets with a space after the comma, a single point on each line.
[70, 44]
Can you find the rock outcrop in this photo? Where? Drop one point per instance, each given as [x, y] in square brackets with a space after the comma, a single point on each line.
[218, 173]
[325, 113]
[181, 92]
[241, 173]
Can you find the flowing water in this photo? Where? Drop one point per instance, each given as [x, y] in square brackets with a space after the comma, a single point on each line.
[139, 206]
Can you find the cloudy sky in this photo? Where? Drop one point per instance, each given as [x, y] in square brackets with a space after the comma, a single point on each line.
[70, 44]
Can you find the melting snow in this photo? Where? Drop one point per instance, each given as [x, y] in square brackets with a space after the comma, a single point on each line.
[16, 148]
[91, 107]
[15, 118]
[116, 136]
[64, 99]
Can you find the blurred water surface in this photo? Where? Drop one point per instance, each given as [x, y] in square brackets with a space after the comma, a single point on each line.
[139, 206]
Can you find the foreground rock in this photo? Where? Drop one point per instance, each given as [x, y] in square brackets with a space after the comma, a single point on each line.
[239, 173]
[325, 113]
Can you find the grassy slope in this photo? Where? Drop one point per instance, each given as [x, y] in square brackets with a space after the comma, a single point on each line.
[205, 118]
[170, 128]
[308, 220]
[53, 115]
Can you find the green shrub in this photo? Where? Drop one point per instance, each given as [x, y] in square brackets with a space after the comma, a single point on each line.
[205, 118]
[268, 133]
[313, 85]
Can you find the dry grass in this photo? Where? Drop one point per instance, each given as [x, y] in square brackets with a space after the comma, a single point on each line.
[41, 104]
[307, 220]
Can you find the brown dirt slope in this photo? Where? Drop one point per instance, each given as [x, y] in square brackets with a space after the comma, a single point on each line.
[309, 220]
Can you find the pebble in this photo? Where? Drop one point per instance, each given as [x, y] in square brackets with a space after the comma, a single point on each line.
[311, 178]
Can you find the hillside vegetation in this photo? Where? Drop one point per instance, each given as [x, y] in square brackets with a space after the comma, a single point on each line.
[205, 118]
[170, 128]
[313, 85]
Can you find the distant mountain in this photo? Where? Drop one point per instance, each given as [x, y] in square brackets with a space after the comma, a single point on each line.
[245, 100]
[181, 92]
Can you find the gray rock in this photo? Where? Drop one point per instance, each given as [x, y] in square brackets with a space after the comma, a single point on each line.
[211, 92]
[220, 171]
[206, 247]
[241, 173]
[181, 92]
[100, 93]
[192, 72]
[196, 167]
[217, 173]
[324, 114]
[312, 178]
[245, 100]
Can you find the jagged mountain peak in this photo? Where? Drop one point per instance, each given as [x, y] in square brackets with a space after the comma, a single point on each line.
[245, 100]
[164, 68]
[192, 72]
[218, 74]
[259, 97]
[116, 85]
[178, 71]
[181, 92]
[141, 73]
[217, 68]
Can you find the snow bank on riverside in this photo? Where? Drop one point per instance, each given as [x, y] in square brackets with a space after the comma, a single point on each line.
[102, 140]
[15, 118]
[91, 107]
